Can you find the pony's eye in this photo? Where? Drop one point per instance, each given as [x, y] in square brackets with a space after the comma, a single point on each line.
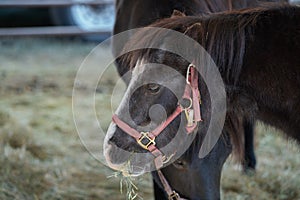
[153, 87]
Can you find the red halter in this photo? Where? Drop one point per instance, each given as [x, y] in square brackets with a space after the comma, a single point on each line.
[147, 139]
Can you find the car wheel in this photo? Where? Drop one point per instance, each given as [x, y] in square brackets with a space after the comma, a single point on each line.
[87, 17]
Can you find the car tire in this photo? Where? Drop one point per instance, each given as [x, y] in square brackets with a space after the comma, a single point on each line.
[86, 17]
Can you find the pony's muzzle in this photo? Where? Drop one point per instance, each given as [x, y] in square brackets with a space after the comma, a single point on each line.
[113, 155]
[120, 152]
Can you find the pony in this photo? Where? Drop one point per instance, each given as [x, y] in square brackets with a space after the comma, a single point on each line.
[133, 14]
[261, 77]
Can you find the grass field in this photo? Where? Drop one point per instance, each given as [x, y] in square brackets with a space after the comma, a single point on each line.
[41, 156]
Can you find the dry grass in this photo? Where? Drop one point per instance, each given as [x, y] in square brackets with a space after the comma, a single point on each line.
[278, 173]
[41, 156]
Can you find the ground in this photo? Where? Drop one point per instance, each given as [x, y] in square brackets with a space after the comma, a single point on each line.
[42, 157]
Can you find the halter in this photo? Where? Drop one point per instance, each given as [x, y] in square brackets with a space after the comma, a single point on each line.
[190, 105]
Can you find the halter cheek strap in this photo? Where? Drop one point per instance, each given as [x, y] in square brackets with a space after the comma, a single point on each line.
[192, 92]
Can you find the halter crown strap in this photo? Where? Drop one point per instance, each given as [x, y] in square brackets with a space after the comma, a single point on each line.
[192, 92]
[196, 94]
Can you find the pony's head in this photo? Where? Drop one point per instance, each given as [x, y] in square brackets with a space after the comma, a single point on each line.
[157, 90]
[149, 115]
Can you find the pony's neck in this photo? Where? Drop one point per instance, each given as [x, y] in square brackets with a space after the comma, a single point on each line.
[270, 75]
[273, 42]
[264, 37]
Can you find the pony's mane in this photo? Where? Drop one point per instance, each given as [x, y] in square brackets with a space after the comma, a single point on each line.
[225, 37]
[211, 6]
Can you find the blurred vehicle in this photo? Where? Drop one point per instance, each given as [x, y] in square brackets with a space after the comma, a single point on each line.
[294, 2]
[89, 16]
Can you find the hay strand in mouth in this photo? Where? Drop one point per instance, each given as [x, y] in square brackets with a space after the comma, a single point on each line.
[127, 180]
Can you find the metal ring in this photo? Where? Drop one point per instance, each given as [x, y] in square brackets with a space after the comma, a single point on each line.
[190, 105]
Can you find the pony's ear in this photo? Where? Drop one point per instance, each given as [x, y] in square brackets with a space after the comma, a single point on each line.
[177, 13]
[195, 31]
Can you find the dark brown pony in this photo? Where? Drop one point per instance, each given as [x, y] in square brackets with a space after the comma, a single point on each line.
[261, 73]
[133, 14]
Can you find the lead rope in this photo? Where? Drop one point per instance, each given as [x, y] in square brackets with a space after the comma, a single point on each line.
[172, 194]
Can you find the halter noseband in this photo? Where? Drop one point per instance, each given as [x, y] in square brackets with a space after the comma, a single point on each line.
[191, 99]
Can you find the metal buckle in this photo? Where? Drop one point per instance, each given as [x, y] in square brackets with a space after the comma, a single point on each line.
[145, 141]
[174, 196]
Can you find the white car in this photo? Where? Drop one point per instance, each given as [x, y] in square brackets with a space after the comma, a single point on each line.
[86, 17]
[73, 17]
